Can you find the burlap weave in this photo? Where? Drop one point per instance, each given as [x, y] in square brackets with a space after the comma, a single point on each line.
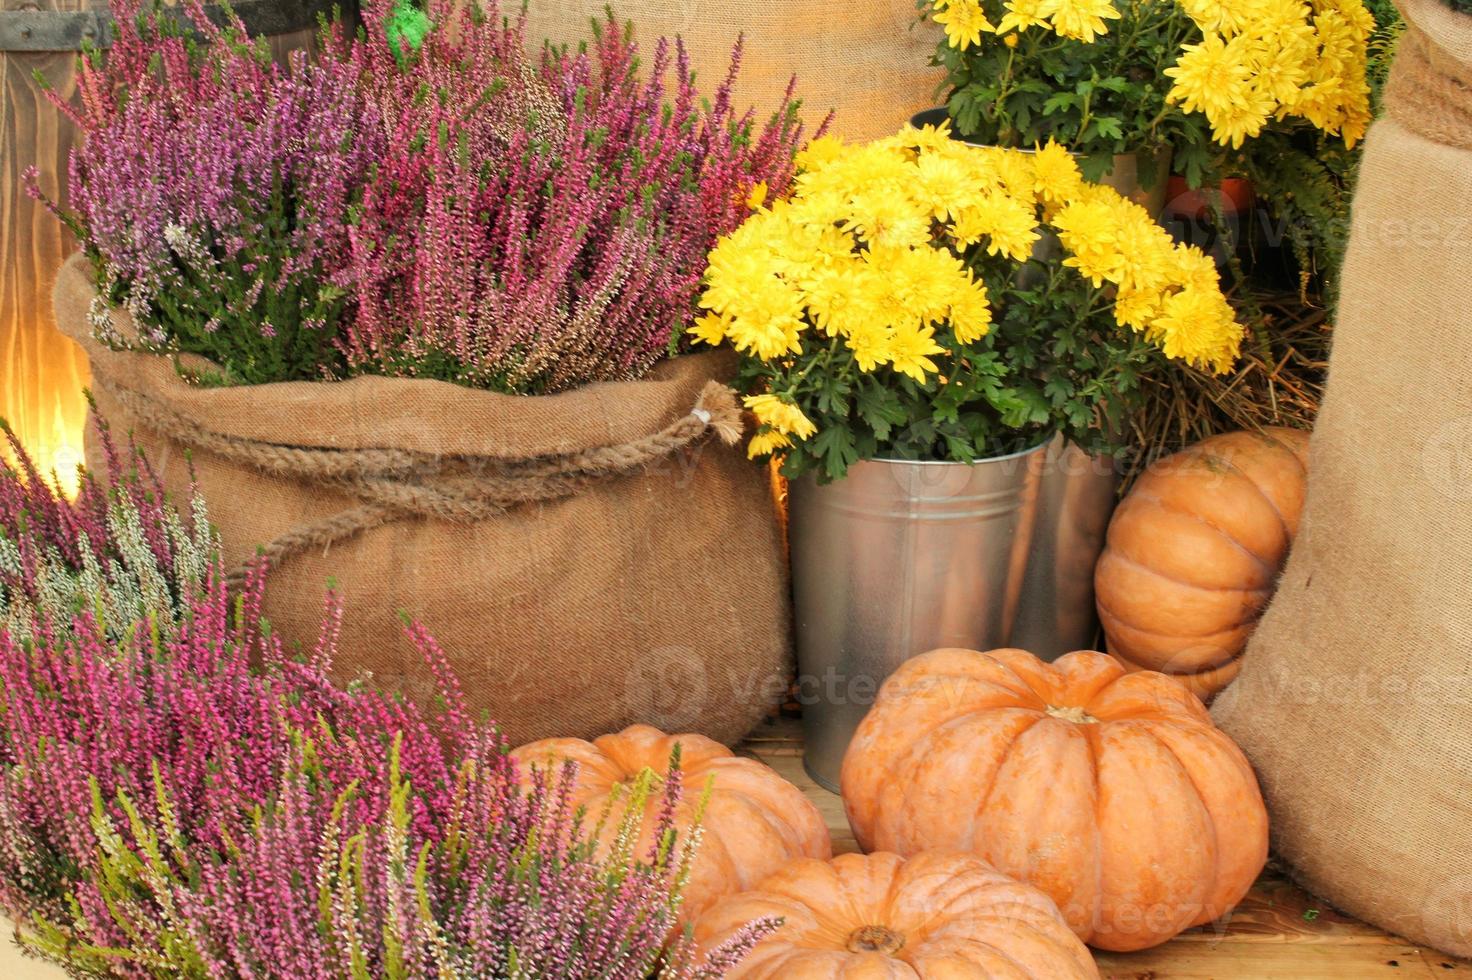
[587, 560]
[1355, 697]
[868, 60]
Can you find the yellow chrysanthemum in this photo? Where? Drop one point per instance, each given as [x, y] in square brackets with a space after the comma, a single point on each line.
[1136, 308]
[1004, 224]
[1198, 327]
[821, 151]
[888, 218]
[766, 442]
[1055, 172]
[1020, 15]
[780, 416]
[910, 350]
[970, 314]
[1082, 20]
[928, 139]
[1087, 230]
[843, 298]
[943, 183]
[964, 22]
[710, 329]
[870, 345]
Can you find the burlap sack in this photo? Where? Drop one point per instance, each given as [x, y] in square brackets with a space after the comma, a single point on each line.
[587, 560]
[868, 60]
[1355, 699]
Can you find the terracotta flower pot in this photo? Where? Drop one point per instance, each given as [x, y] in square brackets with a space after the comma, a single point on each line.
[1237, 196]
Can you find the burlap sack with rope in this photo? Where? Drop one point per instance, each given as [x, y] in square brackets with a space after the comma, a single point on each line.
[587, 560]
[1355, 697]
[868, 60]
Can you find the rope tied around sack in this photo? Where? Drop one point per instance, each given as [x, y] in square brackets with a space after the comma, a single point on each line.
[392, 484]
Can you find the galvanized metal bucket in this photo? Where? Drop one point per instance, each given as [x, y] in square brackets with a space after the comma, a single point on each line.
[901, 557]
[1076, 498]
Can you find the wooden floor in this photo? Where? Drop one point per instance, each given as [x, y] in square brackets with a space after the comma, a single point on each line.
[1278, 933]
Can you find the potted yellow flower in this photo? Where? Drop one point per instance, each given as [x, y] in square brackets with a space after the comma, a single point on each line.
[1120, 80]
[909, 350]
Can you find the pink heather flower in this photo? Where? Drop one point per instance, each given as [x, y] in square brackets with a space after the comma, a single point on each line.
[169, 809]
[541, 224]
[215, 188]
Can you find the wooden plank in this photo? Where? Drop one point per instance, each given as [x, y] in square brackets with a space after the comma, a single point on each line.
[41, 372]
[1262, 961]
[15, 965]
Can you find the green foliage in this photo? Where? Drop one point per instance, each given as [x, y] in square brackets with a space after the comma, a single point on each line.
[291, 321]
[1099, 99]
[1050, 362]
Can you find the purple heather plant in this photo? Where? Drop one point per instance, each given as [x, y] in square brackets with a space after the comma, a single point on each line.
[169, 809]
[214, 188]
[538, 224]
[466, 211]
[118, 550]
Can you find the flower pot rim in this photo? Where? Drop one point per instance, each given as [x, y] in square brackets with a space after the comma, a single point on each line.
[1047, 440]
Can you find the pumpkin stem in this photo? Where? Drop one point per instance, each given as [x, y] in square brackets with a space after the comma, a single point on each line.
[875, 939]
[1076, 715]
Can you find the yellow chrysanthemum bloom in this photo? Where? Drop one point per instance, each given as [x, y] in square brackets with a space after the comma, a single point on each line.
[876, 264]
[780, 416]
[1082, 20]
[943, 182]
[1197, 326]
[1088, 230]
[1255, 60]
[970, 314]
[821, 151]
[964, 22]
[1056, 173]
[709, 329]
[1020, 15]
[910, 351]
[1005, 225]
[870, 345]
[766, 442]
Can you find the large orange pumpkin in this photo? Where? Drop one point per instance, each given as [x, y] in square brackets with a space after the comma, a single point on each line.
[1194, 552]
[936, 915]
[755, 821]
[1110, 791]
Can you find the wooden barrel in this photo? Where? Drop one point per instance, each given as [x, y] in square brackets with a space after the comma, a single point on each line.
[41, 372]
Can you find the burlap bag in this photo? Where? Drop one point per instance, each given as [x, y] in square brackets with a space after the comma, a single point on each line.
[586, 560]
[1355, 699]
[868, 60]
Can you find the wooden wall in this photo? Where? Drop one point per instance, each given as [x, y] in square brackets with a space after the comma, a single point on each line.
[42, 373]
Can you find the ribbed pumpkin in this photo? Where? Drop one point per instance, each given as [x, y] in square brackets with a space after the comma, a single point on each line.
[1110, 791]
[879, 915]
[1194, 552]
[755, 822]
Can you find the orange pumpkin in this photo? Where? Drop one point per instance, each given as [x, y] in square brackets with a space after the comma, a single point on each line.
[1111, 791]
[1194, 552]
[755, 821]
[936, 915]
